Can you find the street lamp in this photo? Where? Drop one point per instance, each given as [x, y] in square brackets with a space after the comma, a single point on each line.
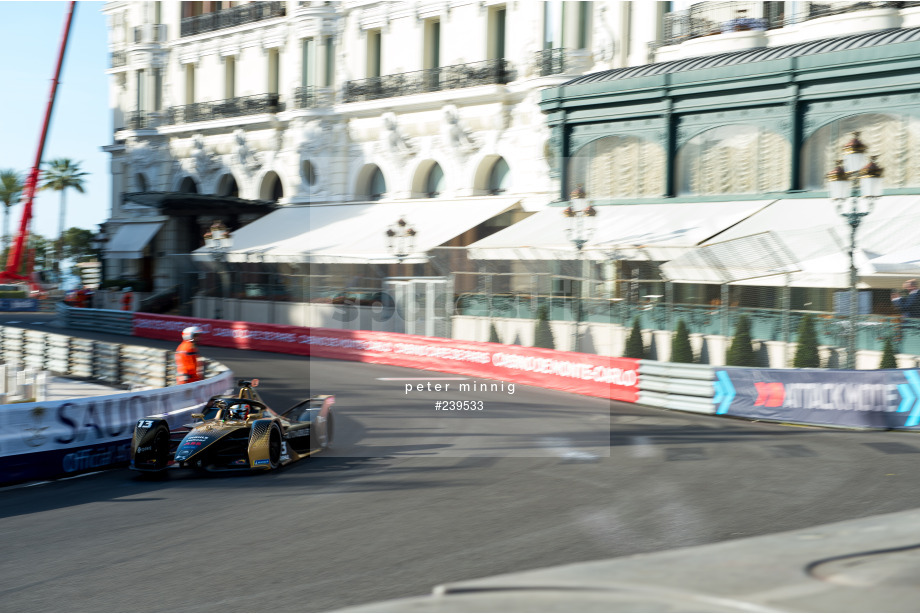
[401, 239]
[218, 240]
[98, 244]
[579, 228]
[857, 179]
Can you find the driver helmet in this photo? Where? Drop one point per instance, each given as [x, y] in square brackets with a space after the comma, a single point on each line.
[190, 333]
[240, 412]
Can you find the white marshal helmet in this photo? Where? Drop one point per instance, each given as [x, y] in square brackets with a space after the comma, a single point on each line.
[190, 333]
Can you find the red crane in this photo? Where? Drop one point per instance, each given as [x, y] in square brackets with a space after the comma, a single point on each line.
[14, 263]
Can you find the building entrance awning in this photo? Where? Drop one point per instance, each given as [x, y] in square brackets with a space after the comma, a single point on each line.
[355, 232]
[131, 239]
[657, 232]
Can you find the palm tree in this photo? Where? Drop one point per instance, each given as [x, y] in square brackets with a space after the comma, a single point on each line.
[62, 173]
[10, 190]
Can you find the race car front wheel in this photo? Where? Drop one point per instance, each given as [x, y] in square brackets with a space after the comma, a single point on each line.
[160, 445]
[274, 447]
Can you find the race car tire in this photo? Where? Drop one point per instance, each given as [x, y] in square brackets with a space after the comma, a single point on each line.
[161, 447]
[274, 447]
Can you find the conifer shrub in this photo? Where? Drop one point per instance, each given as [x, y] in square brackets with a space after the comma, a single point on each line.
[681, 350]
[634, 346]
[889, 360]
[741, 351]
[543, 334]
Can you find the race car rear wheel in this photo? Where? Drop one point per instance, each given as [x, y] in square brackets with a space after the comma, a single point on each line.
[274, 447]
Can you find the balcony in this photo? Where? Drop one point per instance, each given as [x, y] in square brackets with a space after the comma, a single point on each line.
[138, 120]
[305, 97]
[220, 109]
[549, 62]
[710, 18]
[149, 33]
[117, 59]
[228, 18]
[430, 80]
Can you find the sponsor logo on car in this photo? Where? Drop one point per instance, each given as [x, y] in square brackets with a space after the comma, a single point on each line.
[261, 461]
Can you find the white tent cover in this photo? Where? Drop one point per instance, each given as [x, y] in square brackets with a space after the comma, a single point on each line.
[355, 232]
[623, 232]
[817, 238]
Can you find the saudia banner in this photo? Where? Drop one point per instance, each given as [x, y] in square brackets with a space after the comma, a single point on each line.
[888, 399]
[42, 440]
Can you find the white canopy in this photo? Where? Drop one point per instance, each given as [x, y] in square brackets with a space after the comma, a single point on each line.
[811, 247]
[131, 239]
[623, 232]
[355, 232]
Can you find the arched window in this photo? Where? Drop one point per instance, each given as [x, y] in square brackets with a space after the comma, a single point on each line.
[737, 159]
[435, 184]
[141, 182]
[228, 187]
[619, 167]
[499, 177]
[272, 189]
[188, 186]
[895, 139]
[377, 186]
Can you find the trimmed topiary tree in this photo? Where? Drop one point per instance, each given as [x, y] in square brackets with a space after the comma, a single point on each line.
[681, 351]
[634, 346]
[889, 360]
[493, 333]
[806, 354]
[741, 351]
[543, 334]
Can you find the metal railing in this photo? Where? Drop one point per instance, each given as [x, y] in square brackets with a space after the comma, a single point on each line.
[429, 80]
[817, 10]
[305, 97]
[137, 120]
[228, 18]
[118, 59]
[233, 107]
[150, 33]
[549, 62]
[709, 18]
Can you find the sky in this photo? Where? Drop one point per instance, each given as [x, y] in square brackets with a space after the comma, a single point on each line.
[81, 123]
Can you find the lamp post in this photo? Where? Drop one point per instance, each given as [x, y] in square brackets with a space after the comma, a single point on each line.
[579, 228]
[98, 244]
[218, 240]
[854, 184]
[401, 239]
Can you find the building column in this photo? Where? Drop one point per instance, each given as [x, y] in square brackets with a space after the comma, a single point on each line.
[795, 138]
[670, 148]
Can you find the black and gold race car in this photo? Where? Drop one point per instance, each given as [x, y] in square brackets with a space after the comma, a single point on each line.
[235, 433]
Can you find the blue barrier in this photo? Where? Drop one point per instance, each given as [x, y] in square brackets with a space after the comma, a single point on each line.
[18, 304]
[882, 399]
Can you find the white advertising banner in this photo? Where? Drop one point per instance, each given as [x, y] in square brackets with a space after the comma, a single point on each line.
[35, 436]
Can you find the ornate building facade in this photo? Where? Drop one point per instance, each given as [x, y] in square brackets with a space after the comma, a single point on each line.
[296, 104]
